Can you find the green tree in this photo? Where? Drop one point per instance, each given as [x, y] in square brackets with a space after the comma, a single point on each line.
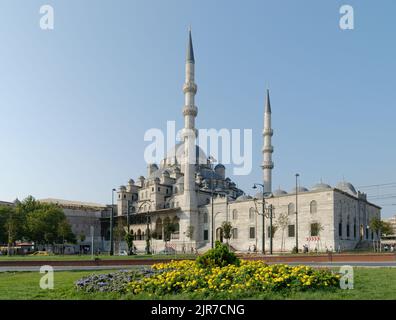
[47, 224]
[169, 228]
[11, 226]
[227, 230]
[190, 232]
[82, 237]
[129, 240]
[379, 227]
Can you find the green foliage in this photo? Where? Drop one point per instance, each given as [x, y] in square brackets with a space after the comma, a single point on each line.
[39, 222]
[294, 250]
[11, 225]
[227, 228]
[380, 226]
[190, 232]
[129, 241]
[220, 256]
[169, 228]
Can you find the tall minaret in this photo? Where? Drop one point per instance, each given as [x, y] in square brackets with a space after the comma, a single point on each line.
[267, 165]
[190, 111]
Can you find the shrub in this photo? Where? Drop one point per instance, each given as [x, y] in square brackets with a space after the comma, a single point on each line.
[220, 256]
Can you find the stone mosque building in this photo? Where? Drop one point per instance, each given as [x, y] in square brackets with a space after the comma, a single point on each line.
[197, 197]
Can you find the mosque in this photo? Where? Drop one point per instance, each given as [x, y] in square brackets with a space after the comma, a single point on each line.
[196, 198]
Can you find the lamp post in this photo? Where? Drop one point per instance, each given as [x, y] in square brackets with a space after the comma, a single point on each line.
[148, 224]
[112, 222]
[297, 175]
[264, 195]
[128, 212]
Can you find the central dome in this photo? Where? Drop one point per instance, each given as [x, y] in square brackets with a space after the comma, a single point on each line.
[176, 155]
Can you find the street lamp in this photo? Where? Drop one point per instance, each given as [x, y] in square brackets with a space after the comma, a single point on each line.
[270, 215]
[148, 224]
[297, 175]
[112, 222]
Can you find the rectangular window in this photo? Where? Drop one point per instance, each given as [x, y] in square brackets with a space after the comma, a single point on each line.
[252, 232]
[159, 189]
[235, 233]
[206, 234]
[354, 231]
[348, 231]
[152, 189]
[291, 231]
[340, 229]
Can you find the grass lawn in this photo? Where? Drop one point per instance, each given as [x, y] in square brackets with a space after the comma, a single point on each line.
[88, 257]
[370, 283]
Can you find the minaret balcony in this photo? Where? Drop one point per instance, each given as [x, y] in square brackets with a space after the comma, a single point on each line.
[268, 165]
[268, 149]
[190, 111]
[190, 87]
[268, 132]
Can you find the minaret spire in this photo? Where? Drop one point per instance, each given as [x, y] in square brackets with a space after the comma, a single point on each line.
[190, 49]
[267, 165]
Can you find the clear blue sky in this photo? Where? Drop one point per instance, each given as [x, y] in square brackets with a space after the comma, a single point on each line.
[75, 102]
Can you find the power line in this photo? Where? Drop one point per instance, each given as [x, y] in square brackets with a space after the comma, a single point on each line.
[391, 184]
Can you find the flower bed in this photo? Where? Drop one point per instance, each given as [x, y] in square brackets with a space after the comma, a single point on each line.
[253, 276]
[111, 282]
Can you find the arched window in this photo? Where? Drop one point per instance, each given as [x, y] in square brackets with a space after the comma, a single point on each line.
[234, 214]
[205, 218]
[251, 214]
[290, 209]
[139, 234]
[313, 207]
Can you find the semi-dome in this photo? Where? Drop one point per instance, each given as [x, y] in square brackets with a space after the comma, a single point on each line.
[321, 186]
[300, 190]
[279, 192]
[347, 187]
[244, 197]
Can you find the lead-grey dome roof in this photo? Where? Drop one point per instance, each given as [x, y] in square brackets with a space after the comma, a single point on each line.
[279, 192]
[244, 197]
[299, 189]
[321, 186]
[347, 187]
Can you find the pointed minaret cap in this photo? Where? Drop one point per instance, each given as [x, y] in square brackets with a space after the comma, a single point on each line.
[190, 50]
[268, 103]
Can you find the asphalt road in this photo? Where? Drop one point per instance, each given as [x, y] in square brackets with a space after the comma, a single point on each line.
[121, 267]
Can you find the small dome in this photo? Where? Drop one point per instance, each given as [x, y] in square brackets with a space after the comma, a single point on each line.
[279, 192]
[300, 190]
[347, 187]
[321, 186]
[219, 166]
[122, 188]
[131, 181]
[244, 197]
[166, 173]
